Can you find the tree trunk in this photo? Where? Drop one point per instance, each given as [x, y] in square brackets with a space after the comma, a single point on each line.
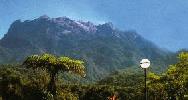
[52, 84]
[4, 87]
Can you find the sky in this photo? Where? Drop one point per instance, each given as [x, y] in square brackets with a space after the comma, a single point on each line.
[164, 22]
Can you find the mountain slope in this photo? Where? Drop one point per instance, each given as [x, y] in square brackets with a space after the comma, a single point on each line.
[103, 48]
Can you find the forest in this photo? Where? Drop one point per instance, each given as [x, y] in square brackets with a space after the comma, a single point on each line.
[38, 78]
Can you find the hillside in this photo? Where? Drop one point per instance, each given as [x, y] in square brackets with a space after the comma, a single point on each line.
[103, 48]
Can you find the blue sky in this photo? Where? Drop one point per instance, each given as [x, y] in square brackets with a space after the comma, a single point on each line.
[165, 22]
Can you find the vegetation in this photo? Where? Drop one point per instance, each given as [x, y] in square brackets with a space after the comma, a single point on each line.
[53, 65]
[170, 85]
[41, 81]
[37, 79]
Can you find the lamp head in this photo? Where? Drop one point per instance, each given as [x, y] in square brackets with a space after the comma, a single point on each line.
[144, 63]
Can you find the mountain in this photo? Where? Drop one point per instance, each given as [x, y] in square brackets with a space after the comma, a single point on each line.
[103, 47]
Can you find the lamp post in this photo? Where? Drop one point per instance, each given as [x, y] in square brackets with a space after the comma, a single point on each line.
[145, 63]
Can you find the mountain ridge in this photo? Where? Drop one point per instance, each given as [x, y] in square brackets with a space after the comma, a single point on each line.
[103, 48]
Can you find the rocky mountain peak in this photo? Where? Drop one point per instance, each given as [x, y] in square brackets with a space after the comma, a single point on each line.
[44, 17]
[103, 48]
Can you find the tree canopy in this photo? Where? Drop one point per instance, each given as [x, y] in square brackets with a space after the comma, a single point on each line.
[54, 64]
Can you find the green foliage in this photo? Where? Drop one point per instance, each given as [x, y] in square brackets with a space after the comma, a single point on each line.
[172, 84]
[124, 78]
[54, 65]
[31, 81]
[91, 92]
[36, 78]
[177, 76]
[18, 83]
[29, 84]
[128, 83]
